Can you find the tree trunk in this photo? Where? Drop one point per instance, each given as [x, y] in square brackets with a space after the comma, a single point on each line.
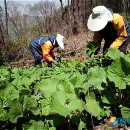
[78, 16]
[61, 3]
[1, 28]
[6, 19]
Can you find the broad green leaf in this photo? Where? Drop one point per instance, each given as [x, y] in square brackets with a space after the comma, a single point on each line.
[116, 75]
[30, 104]
[76, 105]
[114, 54]
[47, 87]
[39, 125]
[92, 106]
[11, 93]
[15, 111]
[64, 104]
[125, 111]
[96, 76]
[59, 104]
[125, 62]
[65, 86]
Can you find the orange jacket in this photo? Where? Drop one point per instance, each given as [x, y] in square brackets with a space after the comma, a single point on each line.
[47, 52]
[119, 25]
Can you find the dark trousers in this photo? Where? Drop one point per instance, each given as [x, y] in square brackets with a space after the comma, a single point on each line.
[125, 45]
[37, 54]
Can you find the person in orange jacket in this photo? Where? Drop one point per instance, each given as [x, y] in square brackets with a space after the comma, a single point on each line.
[111, 27]
[42, 48]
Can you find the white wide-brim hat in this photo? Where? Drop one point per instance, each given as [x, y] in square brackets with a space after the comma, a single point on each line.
[59, 39]
[99, 18]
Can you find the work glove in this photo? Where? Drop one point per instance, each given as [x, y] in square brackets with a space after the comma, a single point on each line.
[111, 47]
[42, 60]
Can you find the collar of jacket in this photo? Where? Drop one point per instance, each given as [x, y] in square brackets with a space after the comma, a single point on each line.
[52, 38]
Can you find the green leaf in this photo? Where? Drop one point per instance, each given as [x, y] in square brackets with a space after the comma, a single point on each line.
[30, 104]
[39, 125]
[116, 75]
[96, 76]
[26, 81]
[114, 53]
[45, 105]
[65, 86]
[59, 104]
[105, 100]
[3, 115]
[47, 87]
[77, 79]
[127, 79]
[91, 48]
[15, 111]
[63, 103]
[11, 93]
[125, 62]
[76, 105]
[52, 128]
[92, 106]
[125, 111]
[82, 125]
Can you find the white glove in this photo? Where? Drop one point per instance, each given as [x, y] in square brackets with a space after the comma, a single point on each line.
[42, 60]
[55, 62]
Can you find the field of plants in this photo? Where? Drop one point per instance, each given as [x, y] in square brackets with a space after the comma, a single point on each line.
[73, 95]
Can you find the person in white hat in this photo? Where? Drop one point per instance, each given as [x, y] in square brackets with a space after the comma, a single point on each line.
[42, 48]
[111, 27]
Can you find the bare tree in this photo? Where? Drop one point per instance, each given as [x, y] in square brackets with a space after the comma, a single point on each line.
[43, 12]
[16, 18]
[6, 18]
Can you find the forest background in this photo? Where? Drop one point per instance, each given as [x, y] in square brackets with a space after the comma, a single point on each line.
[20, 23]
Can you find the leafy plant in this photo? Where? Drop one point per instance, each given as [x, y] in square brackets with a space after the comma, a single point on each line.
[69, 95]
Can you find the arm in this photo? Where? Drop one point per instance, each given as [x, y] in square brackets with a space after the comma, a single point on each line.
[118, 23]
[46, 50]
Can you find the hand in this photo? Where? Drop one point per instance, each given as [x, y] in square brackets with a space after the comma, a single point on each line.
[55, 62]
[42, 60]
[111, 47]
